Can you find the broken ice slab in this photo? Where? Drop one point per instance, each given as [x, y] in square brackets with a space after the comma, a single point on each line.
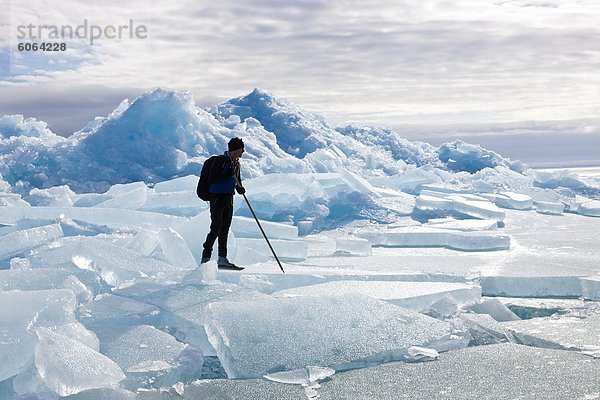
[551, 255]
[418, 236]
[68, 367]
[49, 278]
[495, 309]
[527, 308]
[476, 207]
[111, 217]
[115, 264]
[152, 358]
[502, 371]
[18, 242]
[531, 286]
[469, 205]
[130, 196]
[12, 200]
[108, 312]
[277, 193]
[515, 201]
[184, 183]
[109, 315]
[397, 202]
[185, 204]
[29, 384]
[352, 246]
[247, 228]
[20, 313]
[464, 225]
[590, 208]
[303, 376]
[163, 244]
[306, 377]
[417, 296]
[484, 329]
[254, 338]
[359, 184]
[546, 207]
[257, 250]
[478, 241]
[590, 288]
[57, 196]
[90, 199]
[189, 302]
[559, 332]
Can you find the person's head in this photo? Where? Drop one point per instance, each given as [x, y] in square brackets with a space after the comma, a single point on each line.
[235, 147]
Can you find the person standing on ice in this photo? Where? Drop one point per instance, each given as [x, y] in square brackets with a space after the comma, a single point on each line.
[222, 179]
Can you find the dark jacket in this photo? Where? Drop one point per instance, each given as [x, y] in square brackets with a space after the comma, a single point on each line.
[221, 177]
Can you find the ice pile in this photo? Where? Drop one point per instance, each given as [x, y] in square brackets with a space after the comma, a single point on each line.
[461, 156]
[45, 350]
[162, 135]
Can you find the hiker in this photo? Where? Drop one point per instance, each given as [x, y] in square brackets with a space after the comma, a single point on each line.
[222, 184]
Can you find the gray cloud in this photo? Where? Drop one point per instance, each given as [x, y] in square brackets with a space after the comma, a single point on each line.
[379, 62]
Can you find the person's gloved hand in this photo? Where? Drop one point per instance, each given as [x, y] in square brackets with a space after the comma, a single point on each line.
[240, 189]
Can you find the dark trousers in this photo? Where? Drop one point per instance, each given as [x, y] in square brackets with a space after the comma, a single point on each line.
[221, 212]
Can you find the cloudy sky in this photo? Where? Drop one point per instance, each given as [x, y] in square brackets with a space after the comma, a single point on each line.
[514, 75]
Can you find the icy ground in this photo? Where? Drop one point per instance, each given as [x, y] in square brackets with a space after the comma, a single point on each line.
[105, 302]
[456, 274]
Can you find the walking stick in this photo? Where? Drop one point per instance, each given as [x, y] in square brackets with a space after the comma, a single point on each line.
[259, 225]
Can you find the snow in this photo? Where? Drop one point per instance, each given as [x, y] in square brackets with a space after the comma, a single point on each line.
[389, 246]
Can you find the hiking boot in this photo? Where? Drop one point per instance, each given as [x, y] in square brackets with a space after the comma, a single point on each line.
[223, 263]
[204, 260]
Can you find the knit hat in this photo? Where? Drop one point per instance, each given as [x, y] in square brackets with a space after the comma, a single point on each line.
[235, 144]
